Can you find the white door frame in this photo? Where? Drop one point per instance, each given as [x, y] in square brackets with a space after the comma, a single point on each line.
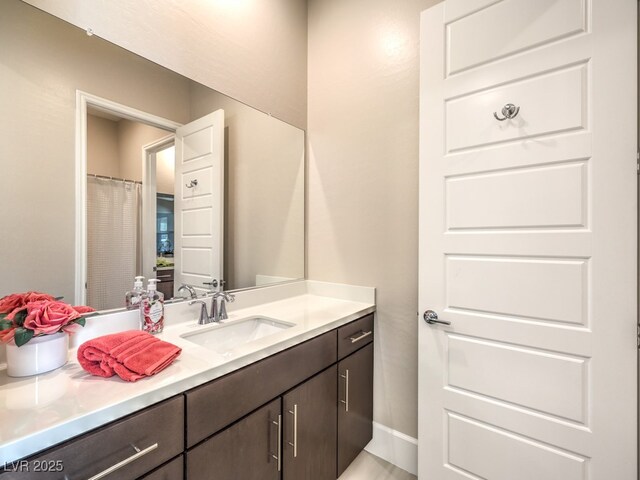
[149, 193]
[85, 100]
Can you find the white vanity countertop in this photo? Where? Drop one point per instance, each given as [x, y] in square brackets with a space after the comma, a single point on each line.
[41, 411]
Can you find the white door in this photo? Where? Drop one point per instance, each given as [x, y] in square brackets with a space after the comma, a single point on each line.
[199, 196]
[528, 240]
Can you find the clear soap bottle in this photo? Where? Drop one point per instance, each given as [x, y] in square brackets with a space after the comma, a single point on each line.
[152, 309]
[134, 297]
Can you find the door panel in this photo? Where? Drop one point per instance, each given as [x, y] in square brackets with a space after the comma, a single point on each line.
[511, 451]
[549, 383]
[507, 27]
[528, 242]
[540, 197]
[561, 92]
[514, 286]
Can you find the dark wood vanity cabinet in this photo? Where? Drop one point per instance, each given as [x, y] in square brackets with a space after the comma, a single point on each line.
[322, 415]
[293, 437]
[301, 414]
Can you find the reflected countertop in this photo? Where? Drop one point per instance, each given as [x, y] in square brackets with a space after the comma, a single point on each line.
[40, 411]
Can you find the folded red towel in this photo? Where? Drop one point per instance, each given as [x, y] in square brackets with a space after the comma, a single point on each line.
[131, 355]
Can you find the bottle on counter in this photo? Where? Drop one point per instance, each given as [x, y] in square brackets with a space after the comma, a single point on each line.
[152, 309]
[134, 297]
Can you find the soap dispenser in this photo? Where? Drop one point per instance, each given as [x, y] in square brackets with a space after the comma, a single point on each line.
[152, 309]
[133, 297]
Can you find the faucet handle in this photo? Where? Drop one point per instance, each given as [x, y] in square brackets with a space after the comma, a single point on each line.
[224, 297]
[204, 315]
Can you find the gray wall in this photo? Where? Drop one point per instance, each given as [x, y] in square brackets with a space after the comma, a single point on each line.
[363, 176]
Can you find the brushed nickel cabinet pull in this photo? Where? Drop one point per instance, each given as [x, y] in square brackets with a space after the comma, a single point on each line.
[278, 456]
[139, 453]
[346, 390]
[362, 335]
[294, 412]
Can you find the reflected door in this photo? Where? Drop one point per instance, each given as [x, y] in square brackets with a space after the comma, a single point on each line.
[199, 197]
[528, 241]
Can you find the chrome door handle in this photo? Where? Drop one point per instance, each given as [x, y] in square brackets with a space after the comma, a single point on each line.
[431, 317]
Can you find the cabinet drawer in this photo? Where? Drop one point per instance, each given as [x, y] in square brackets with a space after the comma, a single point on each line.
[355, 335]
[158, 430]
[217, 404]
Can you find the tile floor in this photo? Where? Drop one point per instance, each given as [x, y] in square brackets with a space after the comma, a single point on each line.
[370, 467]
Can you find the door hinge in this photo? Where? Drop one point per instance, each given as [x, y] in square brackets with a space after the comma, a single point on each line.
[638, 335]
[638, 159]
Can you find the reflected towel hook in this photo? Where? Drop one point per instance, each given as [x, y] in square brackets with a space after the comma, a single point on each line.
[508, 111]
[192, 183]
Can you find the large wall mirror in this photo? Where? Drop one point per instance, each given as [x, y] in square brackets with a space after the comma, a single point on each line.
[90, 195]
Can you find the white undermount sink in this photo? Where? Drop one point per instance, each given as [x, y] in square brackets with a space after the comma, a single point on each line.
[223, 337]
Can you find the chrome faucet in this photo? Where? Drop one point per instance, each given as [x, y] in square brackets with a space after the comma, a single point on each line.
[220, 313]
[218, 308]
[190, 289]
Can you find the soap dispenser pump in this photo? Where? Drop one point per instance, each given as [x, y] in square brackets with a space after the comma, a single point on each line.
[134, 297]
[152, 309]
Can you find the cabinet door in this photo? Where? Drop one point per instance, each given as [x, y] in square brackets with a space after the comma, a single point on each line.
[248, 450]
[355, 405]
[310, 417]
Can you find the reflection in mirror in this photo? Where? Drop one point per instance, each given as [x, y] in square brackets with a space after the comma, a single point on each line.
[116, 212]
[44, 63]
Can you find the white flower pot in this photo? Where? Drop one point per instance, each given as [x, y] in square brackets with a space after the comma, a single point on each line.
[40, 354]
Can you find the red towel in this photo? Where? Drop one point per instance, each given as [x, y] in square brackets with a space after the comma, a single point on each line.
[131, 355]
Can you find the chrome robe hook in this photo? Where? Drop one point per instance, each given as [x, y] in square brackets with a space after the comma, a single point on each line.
[508, 111]
[192, 183]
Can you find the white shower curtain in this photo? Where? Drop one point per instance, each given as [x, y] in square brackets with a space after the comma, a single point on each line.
[113, 240]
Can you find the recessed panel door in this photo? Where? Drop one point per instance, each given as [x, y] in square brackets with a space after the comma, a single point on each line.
[527, 366]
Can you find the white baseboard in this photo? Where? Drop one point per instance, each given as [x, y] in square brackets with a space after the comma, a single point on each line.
[394, 447]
